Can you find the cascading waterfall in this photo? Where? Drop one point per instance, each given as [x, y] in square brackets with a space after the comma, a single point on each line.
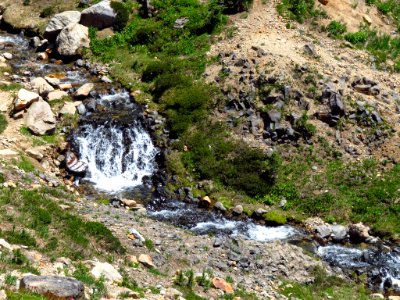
[119, 154]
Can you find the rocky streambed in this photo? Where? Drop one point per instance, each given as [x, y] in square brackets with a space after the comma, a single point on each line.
[113, 139]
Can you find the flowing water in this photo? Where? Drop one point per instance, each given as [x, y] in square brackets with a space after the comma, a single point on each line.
[120, 154]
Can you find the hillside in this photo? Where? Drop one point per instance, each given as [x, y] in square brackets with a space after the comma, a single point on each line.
[185, 149]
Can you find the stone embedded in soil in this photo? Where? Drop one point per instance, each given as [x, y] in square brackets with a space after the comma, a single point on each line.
[146, 260]
[68, 109]
[107, 271]
[54, 287]
[56, 95]
[40, 118]
[221, 284]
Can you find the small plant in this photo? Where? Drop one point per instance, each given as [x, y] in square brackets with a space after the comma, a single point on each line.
[47, 12]
[26, 2]
[149, 244]
[3, 123]
[336, 29]
[10, 280]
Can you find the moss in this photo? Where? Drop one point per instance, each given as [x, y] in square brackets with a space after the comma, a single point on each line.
[275, 218]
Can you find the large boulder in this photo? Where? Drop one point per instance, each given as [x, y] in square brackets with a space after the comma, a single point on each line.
[24, 99]
[41, 86]
[54, 287]
[59, 22]
[72, 39]
[40, 118]
[100, 15]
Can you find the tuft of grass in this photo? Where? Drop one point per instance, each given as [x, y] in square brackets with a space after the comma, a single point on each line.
[10, 87]
[336, 29]
[3, 123]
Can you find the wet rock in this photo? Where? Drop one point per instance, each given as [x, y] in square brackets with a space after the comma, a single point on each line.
[205, 201]
[146, 260]
[59, 21]
[40, 118]
[107, 271]
[339, 232]
[81, 109]
[359, 232]
[84, 90]
[56, 95]
[72, 39]
[24, 99]
[54, 287]
[238, 209]
[74, 165]
[100, 15]
[323, 231]
[219, 206]
[41, 86]
[221, 284]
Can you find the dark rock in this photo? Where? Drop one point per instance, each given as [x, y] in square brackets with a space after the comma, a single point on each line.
[310, 50]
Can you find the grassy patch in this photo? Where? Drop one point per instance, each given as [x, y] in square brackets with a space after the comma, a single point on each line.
[298, 10]
[336, 29]
[46, 227]
[10, 87]
[325, 287]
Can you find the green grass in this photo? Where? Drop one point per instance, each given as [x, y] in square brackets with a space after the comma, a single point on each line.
[336, 29]
[299, 10]
[3, 123]
[40, 140]
[325, 287]
[24, 296]
[10, 87]
[39, 221]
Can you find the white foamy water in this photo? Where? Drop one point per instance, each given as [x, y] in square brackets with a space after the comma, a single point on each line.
[117, 158]
[207, 222]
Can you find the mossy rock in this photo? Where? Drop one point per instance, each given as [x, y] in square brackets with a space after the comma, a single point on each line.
[274, 218]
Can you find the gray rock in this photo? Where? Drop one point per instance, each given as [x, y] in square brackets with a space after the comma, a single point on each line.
[323, 230]
[310, 50]
[180, 23]
[81, 109]
[238, 209]
[220, 206]
[274, 116]
[218, 242]
[54, 287]
[59, 22]
[40, 118]
[40, 85]
[339, 232]
[100, 15]
[72, 39]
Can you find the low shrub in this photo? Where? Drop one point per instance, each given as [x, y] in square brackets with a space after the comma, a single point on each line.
[3, 123]
[336, 29]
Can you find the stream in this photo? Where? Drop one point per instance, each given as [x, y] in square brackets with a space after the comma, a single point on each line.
[111, 137]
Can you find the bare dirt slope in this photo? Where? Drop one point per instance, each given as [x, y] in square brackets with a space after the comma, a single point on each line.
[262, 28]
